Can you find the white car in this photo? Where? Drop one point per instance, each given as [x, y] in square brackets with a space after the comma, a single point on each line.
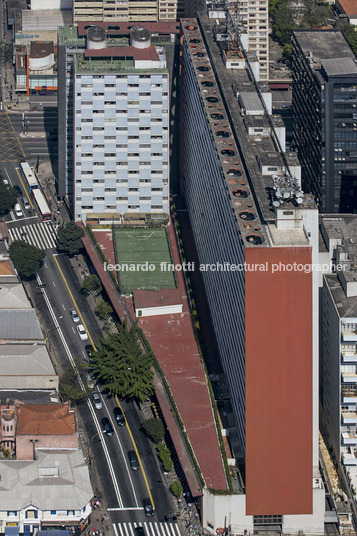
[74, 315]
[18, 210]
[83, 335]
[98, 404]
[90, 381]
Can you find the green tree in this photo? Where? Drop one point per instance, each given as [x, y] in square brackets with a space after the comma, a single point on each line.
[121, 365]
[69, 387]
[165, 457]
[103, 309]
[155, 429]
[350, 34]
[176, 489]
[69, 238]
[26, 258]
[8, 197]
[284, 22]
[92, 283]
[288, 52]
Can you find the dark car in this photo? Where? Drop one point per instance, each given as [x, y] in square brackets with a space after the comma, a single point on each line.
[119, 417]
[148, 508]
[133, 460]
[139, 531]
[107, 427]
[18, 189]
[89, 350]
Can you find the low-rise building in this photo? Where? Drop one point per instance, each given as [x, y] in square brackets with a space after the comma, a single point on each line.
[53, 491]
[348, 9]
[44, 426]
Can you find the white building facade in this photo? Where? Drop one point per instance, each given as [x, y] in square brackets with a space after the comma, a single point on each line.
[121, 136]
[53, 491]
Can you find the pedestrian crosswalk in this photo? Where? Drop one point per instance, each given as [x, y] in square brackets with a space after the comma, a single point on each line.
[151, 529]
[41, 235]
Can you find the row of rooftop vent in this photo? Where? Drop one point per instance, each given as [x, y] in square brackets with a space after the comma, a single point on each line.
[236, 181]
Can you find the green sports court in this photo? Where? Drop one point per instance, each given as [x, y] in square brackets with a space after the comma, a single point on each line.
[141, 256]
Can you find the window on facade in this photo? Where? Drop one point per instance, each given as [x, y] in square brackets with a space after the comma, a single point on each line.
[31, 514]
[12, 513]
[53, 512]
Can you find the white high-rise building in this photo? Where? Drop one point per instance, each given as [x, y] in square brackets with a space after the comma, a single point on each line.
[120, 126]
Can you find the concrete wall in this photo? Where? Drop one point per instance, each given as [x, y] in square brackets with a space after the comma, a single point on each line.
[24, 446]
[229, 511]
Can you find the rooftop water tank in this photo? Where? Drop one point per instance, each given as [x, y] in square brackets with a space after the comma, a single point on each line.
[140, 37]
[96, 38]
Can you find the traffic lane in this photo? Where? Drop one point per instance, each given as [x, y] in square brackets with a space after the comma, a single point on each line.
[94, 447]
[133, 478]
[88, 413]
[81, 299]
[147, 451]
[56, 264]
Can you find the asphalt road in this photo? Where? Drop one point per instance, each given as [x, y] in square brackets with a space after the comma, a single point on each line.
[124, 488]
[37, 132]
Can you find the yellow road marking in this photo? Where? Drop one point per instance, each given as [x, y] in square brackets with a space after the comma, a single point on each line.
[137, 453]
[12, 126]
[25, 188]
[74, 301]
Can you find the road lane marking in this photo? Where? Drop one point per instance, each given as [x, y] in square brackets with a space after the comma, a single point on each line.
[123, 454]
[23, 185]
[89, 403]
[55, 255]
[137, 453]
[124, 508]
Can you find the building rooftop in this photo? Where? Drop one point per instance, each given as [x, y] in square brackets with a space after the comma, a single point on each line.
[13, 296]
[45, 19]
[20, 325]
[349, 7]
[45, 419]
[6, 268]
[123, 28]
[246, 185]
[153, 298]
[323, 45]
[41, 49]
[95, 62]
[57, 480]
[340, 238]
[339, 66]
[25, 360]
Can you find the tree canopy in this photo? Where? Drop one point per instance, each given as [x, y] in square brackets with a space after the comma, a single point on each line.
[103, 310]
[92, 283]
[26, 258]
[288, 16]
[122, 367]
[8, 197]
[155, 429]
[69, 387]
[69, 238]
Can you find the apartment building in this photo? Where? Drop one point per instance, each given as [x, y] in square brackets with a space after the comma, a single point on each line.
[128, 10]
[247, 211]
[339, 342]
[119, 125]
[325, 117]
[247, 21]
